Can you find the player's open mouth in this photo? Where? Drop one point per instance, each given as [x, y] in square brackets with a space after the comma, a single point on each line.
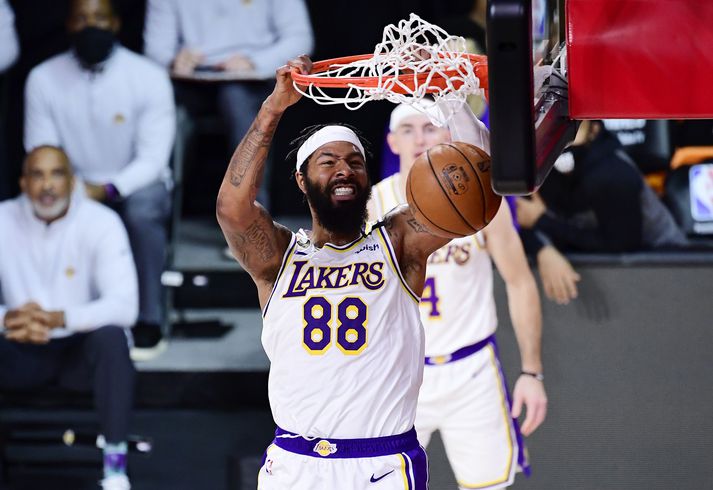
[344, 192]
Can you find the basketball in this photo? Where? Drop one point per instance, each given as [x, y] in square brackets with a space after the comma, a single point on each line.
[448, 190]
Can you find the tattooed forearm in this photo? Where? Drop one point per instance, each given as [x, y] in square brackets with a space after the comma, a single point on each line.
[257, 239]
[252, 151]
[245, 155]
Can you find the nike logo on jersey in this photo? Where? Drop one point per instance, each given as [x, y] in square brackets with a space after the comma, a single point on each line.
[374, 480]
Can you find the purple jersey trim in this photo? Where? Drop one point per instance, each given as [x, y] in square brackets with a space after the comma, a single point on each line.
[387, 241]
[521, 457]
[347, 448]
[285, 259]
[461, 353]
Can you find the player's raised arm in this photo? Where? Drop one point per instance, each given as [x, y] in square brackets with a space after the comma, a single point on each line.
[254, 239]
[465, 126]
[449, 195]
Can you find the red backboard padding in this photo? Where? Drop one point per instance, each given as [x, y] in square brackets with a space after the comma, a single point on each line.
[640, 58]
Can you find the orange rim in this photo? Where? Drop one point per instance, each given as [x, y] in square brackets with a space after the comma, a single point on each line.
[438, 81]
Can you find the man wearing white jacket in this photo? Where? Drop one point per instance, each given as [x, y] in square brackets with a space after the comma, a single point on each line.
[69, 291]
[112, 111]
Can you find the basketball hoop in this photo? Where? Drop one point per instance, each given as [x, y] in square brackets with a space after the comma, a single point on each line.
[414, 59]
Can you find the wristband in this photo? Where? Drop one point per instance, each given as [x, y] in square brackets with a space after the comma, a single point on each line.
[112, 193]
[537, 376]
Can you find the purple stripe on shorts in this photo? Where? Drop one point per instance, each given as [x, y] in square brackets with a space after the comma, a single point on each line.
[461, 353]
[328, 448]
[521, 458]
[419, 465]
[407, 470]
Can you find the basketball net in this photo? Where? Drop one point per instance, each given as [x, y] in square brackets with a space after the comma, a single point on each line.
[414, 58]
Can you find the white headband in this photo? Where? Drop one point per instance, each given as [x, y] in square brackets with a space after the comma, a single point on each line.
[327, 134]
[402, 111]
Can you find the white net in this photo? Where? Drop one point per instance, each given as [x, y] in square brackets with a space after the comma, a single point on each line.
[414, 58]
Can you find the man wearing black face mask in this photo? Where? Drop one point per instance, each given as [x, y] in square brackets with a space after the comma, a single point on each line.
[112, 111]
[92, 46]
[597, 201]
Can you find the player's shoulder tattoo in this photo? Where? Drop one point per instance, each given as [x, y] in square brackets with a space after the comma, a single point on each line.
[404, 216]
[259, 241]
[416, 226]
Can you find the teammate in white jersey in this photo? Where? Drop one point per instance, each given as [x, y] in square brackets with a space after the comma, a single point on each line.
[340, 307]
[464, 394]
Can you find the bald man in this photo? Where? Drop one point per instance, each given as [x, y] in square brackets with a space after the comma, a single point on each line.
[69, 292]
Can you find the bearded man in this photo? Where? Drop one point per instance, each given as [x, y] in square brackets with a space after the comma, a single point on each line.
[341, 323]
[69, 292]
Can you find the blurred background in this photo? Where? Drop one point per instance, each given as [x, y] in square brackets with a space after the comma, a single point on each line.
[628, 361]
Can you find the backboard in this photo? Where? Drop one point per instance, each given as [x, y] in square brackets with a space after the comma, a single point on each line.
[552, 62]
[529, 116]
[640, 59]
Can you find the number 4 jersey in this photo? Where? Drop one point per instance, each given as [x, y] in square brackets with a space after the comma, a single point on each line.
[457, 305]
[345, 341]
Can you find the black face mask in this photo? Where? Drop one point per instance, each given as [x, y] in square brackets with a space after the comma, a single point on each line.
[579, 152]
[93, 45]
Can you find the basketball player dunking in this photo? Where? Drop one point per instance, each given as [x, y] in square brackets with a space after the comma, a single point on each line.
[464, 395]
[340, 312]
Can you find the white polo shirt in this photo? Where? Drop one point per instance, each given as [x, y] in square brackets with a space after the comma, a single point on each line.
[117, 125]
[268, 32]
[9, 48]
[80, 263]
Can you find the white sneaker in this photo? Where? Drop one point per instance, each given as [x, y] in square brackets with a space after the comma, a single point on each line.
[116, 482]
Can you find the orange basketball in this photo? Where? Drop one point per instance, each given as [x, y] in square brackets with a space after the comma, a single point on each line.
[448, 190]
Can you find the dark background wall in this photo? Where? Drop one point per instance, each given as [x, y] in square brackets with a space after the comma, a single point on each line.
[629, 376]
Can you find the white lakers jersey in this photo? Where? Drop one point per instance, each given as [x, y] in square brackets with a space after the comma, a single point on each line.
[346, 345]
[457, 304]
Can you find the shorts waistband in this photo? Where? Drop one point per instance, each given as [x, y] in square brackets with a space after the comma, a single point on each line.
[320, 447]
[461, 353]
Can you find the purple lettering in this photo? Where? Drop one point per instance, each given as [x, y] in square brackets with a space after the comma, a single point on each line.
[360, 269]
[462, 257]
[375, 280]
[323, 279]
[452, 250]
[341, 279]
[307, 281]
[291, 291]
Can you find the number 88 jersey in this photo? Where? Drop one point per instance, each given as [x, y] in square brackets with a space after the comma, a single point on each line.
[345, 341]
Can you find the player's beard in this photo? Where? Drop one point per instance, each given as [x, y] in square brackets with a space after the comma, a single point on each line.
[342, 217]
